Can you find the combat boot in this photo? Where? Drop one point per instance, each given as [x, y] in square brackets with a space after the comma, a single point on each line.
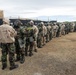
[26, 51]
[17, 59]
[22, 59]
[35, 50]
[43, 45]
[40, 46]
[4, 66]
[30, 54]
[26, 54]
[13, 67]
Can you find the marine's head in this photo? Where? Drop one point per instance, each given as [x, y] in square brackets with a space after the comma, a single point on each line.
[48, 24]
[31, 23]
[6, 21]
[42, 24]
[55, 23]
[17, 24]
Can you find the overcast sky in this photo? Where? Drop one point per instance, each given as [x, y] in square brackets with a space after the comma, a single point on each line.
[37, 8]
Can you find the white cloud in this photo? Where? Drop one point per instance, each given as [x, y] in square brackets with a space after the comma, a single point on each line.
[48, 12]
[35, 8]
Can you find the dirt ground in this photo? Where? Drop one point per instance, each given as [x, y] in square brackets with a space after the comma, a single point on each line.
[58, 57]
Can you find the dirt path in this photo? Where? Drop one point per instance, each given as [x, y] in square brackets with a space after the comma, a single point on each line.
[58, 57]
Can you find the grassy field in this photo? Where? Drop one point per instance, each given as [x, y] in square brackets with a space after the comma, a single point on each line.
[58, 57]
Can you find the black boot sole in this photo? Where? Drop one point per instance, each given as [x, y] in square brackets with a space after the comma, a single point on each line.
[3, 68]
[14, 67]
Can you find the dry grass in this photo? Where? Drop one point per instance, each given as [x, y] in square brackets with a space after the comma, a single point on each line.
[58, 57]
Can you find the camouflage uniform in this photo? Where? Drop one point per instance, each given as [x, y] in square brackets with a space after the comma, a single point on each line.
[44, 34]
[59, 31]
[55, 29]
[72, 25]
[49, 33]
[40, 36]
[7, 44]
[29, 40]
[75, 27]
[63, 29]
[20, 44]
[8, 49]
[66, 28]
[36, 31]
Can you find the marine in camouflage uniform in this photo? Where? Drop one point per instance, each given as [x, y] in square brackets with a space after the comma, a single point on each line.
[20, 43]
[36, 31]
[66, 28]
[8, 49]
[72, 25]
[51, 31]
[29, 40]
[59, 30]
[55, 29]
[44, 33]
[40, 36]
[48, 35]
[63, 29]
[7, 45]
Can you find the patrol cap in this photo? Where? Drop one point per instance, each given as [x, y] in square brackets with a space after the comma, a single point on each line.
[31, 22]
[62, 23]
[54, 23]
[48, 23]
[6, 20]
[42, 23]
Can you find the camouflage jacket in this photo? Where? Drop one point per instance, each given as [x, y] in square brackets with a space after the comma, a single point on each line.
[20, 32]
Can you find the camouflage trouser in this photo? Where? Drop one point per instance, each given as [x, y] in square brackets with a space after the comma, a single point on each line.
[8, 49]
[50, 36]
[72, 29]
[17, 49]
[29, 46]
[66, 32]
[20, 48]
[35, 42]
[54, 35]
[60, 34]
[39, 41]
[63, 32]
[44, 40]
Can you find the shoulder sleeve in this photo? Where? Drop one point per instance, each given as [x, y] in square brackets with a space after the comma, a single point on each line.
[14, 33]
